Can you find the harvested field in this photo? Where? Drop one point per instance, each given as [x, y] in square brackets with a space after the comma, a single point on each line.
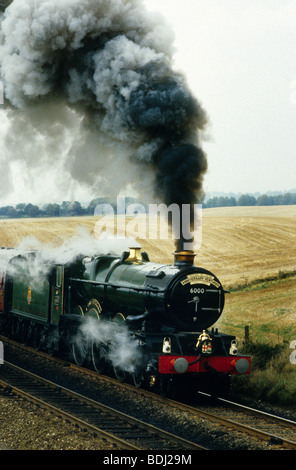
[246, 246]
[268, 308]
[239, 244]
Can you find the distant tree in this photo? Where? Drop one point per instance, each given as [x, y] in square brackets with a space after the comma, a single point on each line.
[226, 201]
[221, 201]
[32, 211]
[246, 200]
[75, 208]
[20, 206]
[8, 211]
[264, 200]
[212, 202]
[288, 198]
[20, 209]
[27, 208]
[52, 210]
[3, 211]
[11, 212]
[64, 208]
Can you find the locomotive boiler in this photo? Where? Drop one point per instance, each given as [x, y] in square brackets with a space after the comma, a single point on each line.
[164, 311]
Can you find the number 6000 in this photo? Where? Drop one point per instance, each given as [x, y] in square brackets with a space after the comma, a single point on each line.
[197, 290]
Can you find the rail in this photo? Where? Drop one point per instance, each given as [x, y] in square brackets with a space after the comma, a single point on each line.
[282, 431]
[123, 430]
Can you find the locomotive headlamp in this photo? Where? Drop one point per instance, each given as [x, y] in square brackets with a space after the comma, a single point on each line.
[233, 348]
[166, 345]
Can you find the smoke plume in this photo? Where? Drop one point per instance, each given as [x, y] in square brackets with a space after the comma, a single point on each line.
[90, 90]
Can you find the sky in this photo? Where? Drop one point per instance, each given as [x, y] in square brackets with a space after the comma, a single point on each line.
[239, 58]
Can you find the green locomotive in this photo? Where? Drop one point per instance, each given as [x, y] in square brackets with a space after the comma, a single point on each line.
[164, 312]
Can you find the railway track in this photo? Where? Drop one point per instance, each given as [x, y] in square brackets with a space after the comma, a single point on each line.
[123, 430]
[272, 428]
[278, 432]
[275, 430]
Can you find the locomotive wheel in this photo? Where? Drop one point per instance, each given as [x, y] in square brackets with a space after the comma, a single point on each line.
[18, 329]
[98, 354]
[138, 378]
[78, 310]
[21, 331]
[36, 337]
[79, 349]
[94, 309]
[119, 374]
[168, 387]
[119, 318]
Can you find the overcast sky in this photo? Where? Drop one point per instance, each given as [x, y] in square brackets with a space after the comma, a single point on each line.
[240, 60]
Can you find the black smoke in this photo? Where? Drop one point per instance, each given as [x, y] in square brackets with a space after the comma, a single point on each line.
[110, 62]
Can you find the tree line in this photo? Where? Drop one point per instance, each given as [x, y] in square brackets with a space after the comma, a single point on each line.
[250, 200]
[72, 209]
[65, 209]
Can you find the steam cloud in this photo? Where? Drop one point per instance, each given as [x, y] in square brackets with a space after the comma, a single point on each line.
[36, 259]
[90, 90]
[121, 350]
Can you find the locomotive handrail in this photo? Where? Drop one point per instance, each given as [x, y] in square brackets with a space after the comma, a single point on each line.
[119, 286]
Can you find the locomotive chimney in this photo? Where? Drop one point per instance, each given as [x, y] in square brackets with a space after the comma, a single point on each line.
[184, 258]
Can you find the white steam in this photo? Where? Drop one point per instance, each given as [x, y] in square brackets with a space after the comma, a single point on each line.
[34, 260]
[122, 350]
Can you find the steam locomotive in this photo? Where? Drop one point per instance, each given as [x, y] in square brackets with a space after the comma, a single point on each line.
[163, 311]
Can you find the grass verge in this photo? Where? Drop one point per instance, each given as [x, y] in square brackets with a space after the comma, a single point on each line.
[273, 374]
[268, 308]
